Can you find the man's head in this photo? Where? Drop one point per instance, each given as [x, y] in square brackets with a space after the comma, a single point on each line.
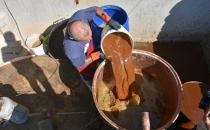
[80, 31]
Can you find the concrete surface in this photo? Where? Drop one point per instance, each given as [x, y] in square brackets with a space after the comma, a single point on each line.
[149, 19]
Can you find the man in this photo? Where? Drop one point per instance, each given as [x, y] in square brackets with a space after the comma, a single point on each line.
[78, 42]
[12, 111]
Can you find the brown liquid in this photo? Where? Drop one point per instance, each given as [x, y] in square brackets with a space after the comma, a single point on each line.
[117, 47]
[127, 113]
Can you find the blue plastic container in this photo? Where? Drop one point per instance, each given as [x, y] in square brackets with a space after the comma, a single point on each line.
[116, 13]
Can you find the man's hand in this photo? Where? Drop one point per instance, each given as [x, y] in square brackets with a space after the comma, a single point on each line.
[101, 13]
[95, 56]
[91, 58]
[207, 118]
[145, 121]
[114, 24]
[1, 120]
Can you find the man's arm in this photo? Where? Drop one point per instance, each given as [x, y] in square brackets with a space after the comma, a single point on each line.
[91, 12]
[102, 14]
[93, 57]
[88, 14]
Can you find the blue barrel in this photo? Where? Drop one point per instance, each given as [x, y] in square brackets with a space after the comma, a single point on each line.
[116, 13]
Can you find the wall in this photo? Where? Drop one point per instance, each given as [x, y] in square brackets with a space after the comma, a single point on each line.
[150, 20]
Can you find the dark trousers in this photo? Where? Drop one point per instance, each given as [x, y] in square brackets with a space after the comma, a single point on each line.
[20, 114]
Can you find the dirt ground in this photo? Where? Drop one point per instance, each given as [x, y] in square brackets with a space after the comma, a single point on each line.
[46, 85]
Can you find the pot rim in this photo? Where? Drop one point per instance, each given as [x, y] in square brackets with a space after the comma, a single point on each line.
[174, 73]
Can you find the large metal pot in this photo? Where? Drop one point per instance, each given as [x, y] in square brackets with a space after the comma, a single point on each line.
[169, 81]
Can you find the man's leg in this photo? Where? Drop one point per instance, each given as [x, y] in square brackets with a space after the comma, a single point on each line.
[4, 123]
[20, 114]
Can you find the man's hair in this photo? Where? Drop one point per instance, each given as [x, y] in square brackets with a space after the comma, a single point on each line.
[80, 29]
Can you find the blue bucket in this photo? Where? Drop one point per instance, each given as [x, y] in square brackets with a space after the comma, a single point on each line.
[116, 13]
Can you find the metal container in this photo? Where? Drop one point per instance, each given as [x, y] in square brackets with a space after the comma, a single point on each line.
[108, 31]
[35, 45]
[56, 37]
[168, 78]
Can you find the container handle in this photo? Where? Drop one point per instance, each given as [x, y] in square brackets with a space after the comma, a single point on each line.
[59, 20]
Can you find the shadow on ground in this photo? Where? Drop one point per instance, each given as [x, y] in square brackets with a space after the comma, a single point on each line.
[13, 49]
[46, 85]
